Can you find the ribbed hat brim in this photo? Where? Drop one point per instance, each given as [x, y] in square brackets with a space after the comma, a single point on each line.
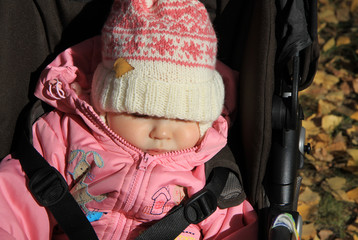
[160, 89]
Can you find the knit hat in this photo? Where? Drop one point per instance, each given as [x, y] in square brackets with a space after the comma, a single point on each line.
[158, 59]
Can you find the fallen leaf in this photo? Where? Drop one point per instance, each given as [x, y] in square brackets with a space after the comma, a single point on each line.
[336, 183]
[325, 107]
[321, 26]
[308, 204]
[327, 14]
[311, 128]
[330, 122]
[343, 15]
[352, 228]
[355, 116]
[353, 194]
[305, 211]
[329, 44]
[335, 186]
[336, 96]
[355, 84]
[346, 89]
[324, 137]
[309, 197]
[325, 234]
[320, 145]
[121, 67]
[354, 5]
[319, 77]
[354, 153]
[323, 155]
[343, 40]
[342, 109]
[339, 146]
[308, 231]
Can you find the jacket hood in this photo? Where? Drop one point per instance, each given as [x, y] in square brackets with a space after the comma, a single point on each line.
[77, 65]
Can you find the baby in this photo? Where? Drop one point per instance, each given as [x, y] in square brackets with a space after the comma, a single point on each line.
[133, 126]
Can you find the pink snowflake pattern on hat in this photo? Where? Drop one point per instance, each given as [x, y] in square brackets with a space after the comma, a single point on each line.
[177, 31]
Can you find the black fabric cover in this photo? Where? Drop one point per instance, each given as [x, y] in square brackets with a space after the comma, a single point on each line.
[32, 33]
[247, 43]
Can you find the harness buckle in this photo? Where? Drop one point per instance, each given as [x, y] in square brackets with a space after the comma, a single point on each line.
[48, 186]
[200, 206]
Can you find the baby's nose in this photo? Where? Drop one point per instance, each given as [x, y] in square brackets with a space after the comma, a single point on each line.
[161, 130]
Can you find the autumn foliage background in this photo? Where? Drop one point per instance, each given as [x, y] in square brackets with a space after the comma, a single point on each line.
[328, 200]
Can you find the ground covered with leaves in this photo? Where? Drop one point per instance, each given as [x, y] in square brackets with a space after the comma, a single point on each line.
[328, 200]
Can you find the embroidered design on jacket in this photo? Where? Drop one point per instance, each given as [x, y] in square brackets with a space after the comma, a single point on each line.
[160, 198]
[80, 173]
[164, 199]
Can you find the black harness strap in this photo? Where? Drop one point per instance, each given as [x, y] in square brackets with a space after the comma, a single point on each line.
[48, 186]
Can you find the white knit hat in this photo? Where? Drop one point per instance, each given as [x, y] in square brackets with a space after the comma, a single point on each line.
[158, 59]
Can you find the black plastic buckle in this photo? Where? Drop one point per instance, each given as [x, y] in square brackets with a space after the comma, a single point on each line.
[200, 206]
[48, 186]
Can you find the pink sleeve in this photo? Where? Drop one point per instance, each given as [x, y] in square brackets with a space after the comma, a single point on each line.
[239, 222]
[21, 216]
[25, 218]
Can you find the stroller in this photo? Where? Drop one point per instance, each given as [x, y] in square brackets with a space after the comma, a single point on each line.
[272, 44]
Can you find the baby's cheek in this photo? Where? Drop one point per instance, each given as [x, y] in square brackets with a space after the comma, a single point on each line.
[188, 137]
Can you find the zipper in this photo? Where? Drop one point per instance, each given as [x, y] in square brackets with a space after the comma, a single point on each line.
[136, 183]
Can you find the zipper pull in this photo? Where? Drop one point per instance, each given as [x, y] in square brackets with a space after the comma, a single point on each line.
[144, 161]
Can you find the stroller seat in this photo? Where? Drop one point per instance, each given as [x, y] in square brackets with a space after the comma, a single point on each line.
[264, 42]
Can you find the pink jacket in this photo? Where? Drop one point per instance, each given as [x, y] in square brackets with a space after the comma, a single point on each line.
[120, 188]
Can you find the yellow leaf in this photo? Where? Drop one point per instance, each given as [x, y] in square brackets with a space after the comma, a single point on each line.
[353, 194]
[327, 14]
[305, 211]
[352, 130]
[324, 137]
[308, 231]
[354, 153]
[330, 80]
[355, 116]
[121, 67]
[309, 197]
[339, 146]
[343, 14]
[336, 97]
[325, 107]
[354, 5]
[327, 80]
[321, 26]
[319, 77]
[329, 44]
[330, 122]
[343, 40]
[336, 183]
[355, 83]
[310, 127]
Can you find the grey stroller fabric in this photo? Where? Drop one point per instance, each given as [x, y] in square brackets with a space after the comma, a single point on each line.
[32, 33]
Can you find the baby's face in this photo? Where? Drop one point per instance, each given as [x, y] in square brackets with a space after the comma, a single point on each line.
[154, 135]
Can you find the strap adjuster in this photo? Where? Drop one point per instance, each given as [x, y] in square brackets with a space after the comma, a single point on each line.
[48, 186]
[200, 206]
